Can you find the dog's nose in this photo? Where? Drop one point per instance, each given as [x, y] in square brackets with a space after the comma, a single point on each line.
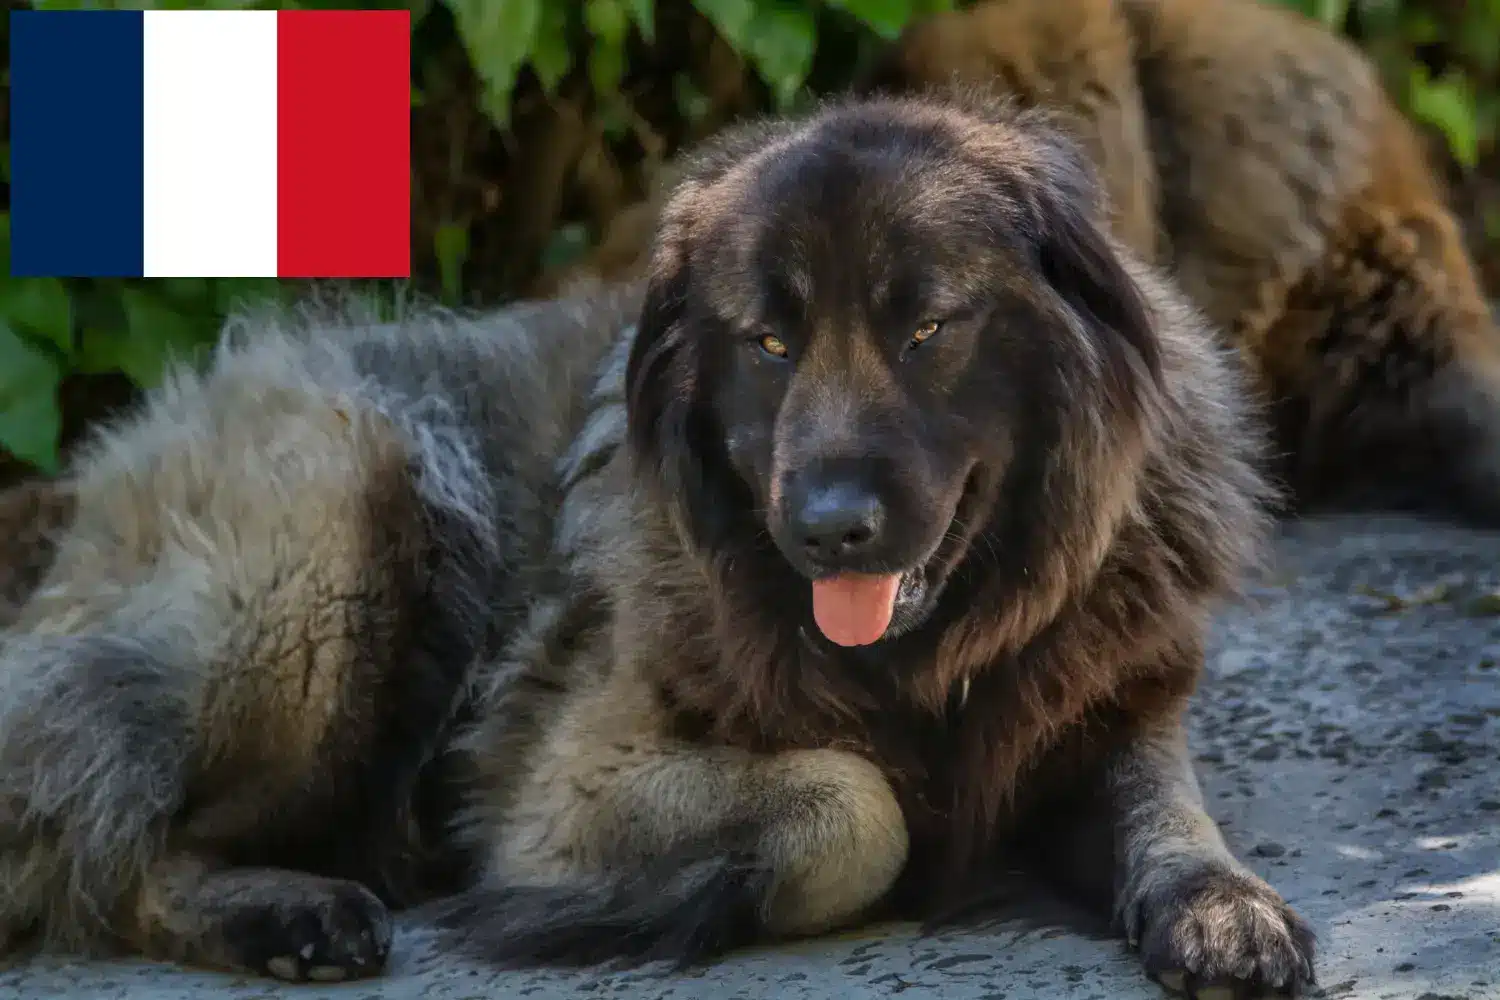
[837, 520]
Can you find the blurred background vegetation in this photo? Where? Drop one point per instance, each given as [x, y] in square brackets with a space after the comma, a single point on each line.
[536, 122]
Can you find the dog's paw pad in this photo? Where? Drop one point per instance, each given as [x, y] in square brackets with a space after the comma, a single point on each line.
[339, 932]
[284, 967]
[1224, 935]
[327, 973]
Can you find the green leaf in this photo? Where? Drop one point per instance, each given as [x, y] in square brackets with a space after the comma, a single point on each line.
[1448, 105]
[607, 20]
[39, 307]
[450, 245]
[551, 56]
[643, 16]
[1479, 40]
[29, 419]
[98, 351]
[782, 39]
[608, 23]
[731, 19]
[499, 36]
[884, 17]
[155, 333]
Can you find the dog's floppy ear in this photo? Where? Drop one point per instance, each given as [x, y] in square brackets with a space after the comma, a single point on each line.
[1081, 263]
[673, 435]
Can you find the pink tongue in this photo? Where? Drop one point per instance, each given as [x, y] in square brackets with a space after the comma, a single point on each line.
[855, 609]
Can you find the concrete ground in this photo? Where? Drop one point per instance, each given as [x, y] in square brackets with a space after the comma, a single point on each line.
[1349, 740]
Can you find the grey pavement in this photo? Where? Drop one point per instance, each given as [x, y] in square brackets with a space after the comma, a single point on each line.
[1348, 736]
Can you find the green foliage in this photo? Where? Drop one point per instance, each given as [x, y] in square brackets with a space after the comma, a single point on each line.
[501, 36]
[29, 418]
[778, 37]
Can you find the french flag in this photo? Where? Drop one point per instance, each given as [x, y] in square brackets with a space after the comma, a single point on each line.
[216, 143]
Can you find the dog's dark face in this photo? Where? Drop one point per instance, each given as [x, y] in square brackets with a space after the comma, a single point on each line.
[864, 339]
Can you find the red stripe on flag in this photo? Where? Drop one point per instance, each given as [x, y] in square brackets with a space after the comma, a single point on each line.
[343, 134]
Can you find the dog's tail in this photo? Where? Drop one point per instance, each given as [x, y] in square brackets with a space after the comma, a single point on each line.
[688, 907]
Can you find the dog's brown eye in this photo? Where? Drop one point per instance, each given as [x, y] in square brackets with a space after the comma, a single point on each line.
[772, 346]
[925, 332]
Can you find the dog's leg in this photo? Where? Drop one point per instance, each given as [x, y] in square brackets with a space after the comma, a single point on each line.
[274, 922]
[625, 843]
[1197, 915]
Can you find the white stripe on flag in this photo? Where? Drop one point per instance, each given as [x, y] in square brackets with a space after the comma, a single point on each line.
[210, 143]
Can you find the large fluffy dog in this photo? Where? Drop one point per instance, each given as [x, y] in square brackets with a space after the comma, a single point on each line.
[876, 556]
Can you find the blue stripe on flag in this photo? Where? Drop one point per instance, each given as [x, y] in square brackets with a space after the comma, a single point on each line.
[76, 143]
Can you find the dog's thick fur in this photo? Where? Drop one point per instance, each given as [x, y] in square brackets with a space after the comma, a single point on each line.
[303, 594]
[259, 625]
[1255, 153]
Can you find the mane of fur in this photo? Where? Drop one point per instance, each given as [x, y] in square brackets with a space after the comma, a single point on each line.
[1092, 604]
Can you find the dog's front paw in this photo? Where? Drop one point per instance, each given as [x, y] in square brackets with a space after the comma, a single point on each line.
[324, 931]
[1218, 933]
